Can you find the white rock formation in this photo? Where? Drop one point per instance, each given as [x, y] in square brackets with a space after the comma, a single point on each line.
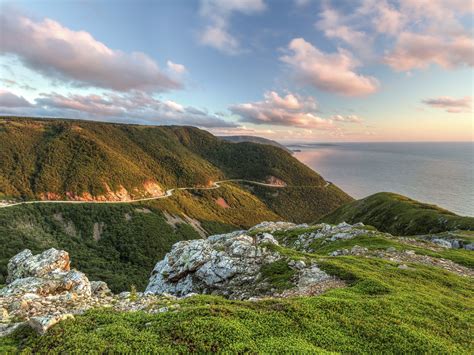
[223, 264]
[47, 273]
[228, 264]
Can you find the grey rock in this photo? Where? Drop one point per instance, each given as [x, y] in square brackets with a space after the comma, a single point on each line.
[311, 275]
[25, 264]
[43, 274]
[8, 328]
[442, 242]
[42, 324]
[100, 288]
[469, 246]
[225, 264]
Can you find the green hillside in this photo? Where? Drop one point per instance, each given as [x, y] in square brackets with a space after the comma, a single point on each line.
[64, 158]
[399, 215]
[120, 243]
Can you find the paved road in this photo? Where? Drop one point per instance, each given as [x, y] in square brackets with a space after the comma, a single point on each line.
[168, 193]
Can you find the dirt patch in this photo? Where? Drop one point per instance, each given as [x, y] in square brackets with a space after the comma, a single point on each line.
[98, 230]
[196, 225]
[68, 227]
[223, 203]
[275, 181]
[142, 210]
[153, 189]
[172, 220]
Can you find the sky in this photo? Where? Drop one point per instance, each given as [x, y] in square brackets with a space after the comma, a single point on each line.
[293, 70]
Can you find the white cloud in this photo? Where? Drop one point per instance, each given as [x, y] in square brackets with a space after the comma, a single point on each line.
[333, 72]
[289, 110]
[175, 67]
[413, 34]
[336, 26]
[218, 12]
[451, 104]
[347, 118]
[77, 57]
[132, 107]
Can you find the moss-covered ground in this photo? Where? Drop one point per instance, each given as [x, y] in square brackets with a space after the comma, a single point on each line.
[383, 310]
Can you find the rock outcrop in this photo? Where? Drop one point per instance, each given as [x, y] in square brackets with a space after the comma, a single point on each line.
[229, 265]
[47, 273]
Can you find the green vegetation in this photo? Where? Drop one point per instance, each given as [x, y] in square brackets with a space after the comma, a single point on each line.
[300, 204]
[253, 139]
[39, 156]
[399, 215]
[121, 243]
[384, 310]
[278, 274]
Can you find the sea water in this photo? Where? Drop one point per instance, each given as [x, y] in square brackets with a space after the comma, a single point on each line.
[436, 173]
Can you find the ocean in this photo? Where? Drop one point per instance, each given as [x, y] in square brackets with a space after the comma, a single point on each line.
[436, 173]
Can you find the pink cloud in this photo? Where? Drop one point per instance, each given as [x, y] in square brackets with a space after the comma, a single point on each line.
[415, 51]
[347, 118]
[451, 104]
[333, 72]
[176, 68]
[76, 56]
[290, 110]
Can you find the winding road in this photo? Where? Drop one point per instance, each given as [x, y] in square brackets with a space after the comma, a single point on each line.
[168, 193]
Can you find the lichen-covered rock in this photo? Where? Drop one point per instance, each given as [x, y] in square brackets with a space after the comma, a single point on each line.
[225, 264]
[44, 274]
[100, 288]
[25, 264]
[327, 233]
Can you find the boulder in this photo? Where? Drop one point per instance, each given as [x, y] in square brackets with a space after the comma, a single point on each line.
[42, 324]
[25, 264]
[44, 274]
[225, 264]
[100, 288]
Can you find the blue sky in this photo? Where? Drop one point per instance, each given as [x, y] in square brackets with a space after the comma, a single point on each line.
[289, 70]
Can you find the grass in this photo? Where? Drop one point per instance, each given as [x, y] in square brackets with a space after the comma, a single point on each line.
[399, 215]
[385, 310]
[278, 274]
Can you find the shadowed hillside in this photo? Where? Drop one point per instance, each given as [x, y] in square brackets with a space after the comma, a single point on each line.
[399, 215]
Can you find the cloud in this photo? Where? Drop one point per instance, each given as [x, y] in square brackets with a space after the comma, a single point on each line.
[347, 118]
[9, 99]
[218, 12]
[175, 67]
[410, 34]
[77, 57]
[333, 72]
[290, 110]
[336, 26]
[415, 51]
[451, 104]
[133, 107]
